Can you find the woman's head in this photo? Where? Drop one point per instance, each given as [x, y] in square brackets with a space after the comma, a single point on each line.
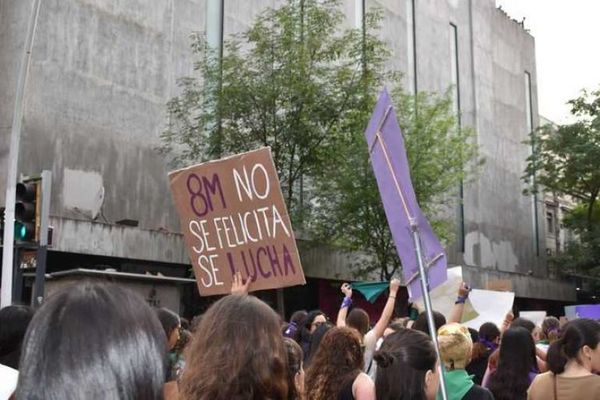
[294, 328]
[237, 351]
[299, 317]
[551, 329]
[517, 349]
[171, 324]
[14, 321]
[359, 320]
[314, 319]
[489, 332]
[337, 362]
[93, 341]
[406, 367]
[315, 341]
[578, 342]
[488, 340]
[421, 323]
[455, 346]
[295, 369]
[516, 361]
[523, 323]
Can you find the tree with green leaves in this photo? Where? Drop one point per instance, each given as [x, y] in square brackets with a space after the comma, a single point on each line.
[565, 160]
[292, 81]
[441, 156]
[302, 83]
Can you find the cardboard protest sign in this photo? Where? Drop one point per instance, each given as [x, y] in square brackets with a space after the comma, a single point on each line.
[234, 219]
[390, 166]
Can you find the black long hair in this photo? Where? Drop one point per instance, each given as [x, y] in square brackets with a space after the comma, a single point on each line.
[14, 321]
[575, 335]
[517, 359]
[402, 364]
[93, 341]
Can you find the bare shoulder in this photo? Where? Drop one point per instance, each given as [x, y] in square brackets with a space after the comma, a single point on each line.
[363, 387]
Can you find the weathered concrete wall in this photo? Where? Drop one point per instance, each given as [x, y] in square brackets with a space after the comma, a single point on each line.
[494, 52]
[100, 76]
[103, 70]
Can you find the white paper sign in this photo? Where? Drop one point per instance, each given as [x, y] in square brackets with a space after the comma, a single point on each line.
[537, 317]
[483, 305]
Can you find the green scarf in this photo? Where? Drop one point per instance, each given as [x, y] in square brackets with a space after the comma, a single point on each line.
[458, 383]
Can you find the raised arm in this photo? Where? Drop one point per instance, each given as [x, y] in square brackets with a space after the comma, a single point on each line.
[459, 305]
[507, 321]
[343, 313]
[388, 310]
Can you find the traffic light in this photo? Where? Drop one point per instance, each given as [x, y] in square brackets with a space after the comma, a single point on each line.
[27, 211]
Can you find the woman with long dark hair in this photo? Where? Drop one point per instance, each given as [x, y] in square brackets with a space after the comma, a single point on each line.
[171, 324]
[236, 353]
[93, 341]
[516, 366]
[295, 369]
[407, 367]
[488, 341]
[572, 359]
[313, 320]
[315, 341]
[336, 371]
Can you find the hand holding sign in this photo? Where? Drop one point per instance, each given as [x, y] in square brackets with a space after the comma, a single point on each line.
[238, 286]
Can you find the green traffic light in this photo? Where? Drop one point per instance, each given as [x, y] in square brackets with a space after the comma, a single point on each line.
[22, 233]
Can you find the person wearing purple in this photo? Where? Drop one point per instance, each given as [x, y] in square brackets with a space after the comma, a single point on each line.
[488, 341]
[293, 329]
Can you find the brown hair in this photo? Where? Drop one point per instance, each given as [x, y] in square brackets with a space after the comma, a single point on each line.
[488, 334]
[294, 358]
[337, 363]
[237, 352]
[359, 320]
[551, 329]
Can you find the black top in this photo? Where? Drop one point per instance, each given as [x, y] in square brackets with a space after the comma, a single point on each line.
[346, 393]
[477, 367]
[478, 393]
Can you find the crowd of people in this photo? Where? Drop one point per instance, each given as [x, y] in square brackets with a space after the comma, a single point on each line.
[101, 341]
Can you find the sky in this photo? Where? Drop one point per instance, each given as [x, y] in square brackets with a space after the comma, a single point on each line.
[567, 36]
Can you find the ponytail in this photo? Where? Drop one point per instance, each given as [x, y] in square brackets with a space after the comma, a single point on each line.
[577, 334]
[556, 357]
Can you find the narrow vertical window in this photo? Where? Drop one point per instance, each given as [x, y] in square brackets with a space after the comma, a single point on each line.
[214, 24]
[359, 14]
[455, 81]
[214, 39]
[529, 124]
[411, 47]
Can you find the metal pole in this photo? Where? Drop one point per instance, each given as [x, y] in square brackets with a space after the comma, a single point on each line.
[13, 160]
[428, 308]
[42, 250]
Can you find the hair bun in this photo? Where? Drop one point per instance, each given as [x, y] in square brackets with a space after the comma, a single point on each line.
[383, 360]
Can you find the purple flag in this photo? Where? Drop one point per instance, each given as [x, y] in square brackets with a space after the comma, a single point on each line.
[583, 311]
[390, 165]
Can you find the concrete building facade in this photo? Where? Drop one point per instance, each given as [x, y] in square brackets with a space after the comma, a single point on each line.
[103, 70]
